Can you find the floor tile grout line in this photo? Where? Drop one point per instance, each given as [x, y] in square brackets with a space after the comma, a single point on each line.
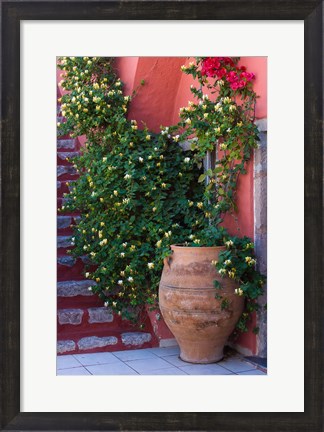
[204, 364]
[132, 368]
[237, 372]
[77, 359]
[175, 365]
[88, 370]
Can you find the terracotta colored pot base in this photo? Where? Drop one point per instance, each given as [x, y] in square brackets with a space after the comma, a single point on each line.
[190, 307]
[201, 354]
[190, 360]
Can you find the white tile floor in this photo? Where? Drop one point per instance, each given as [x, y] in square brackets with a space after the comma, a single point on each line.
[150, 361]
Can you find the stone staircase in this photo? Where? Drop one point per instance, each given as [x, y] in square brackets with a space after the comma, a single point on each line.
[83, 324]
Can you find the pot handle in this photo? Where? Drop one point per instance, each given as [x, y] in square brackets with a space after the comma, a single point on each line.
[167, 262]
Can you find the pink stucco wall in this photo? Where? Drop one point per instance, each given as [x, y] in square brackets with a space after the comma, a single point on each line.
[154, 101]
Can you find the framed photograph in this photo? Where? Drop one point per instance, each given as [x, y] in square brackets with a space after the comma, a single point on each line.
[34, 35]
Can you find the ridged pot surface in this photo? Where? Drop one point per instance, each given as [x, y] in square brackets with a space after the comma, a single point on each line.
[189, 307]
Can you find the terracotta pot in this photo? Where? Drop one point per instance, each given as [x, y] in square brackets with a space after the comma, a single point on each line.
[189, 307]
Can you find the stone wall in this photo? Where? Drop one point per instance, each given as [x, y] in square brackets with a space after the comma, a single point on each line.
[260, 228]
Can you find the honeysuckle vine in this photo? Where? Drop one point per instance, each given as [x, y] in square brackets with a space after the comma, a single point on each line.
[138, 192]
[223, 124]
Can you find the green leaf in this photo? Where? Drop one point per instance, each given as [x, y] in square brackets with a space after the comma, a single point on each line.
[217, 284]
[201, 178]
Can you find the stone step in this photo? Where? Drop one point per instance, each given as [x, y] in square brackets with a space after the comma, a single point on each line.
[64, 156]
[62, 202]
[64, 242]
[67, 221]
[74, 288]
[65, 169]
[110, 342]
[64, 221]
[66, 260]
[66, 144]
[90, 315]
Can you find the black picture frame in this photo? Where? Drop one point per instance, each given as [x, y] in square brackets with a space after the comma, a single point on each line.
[12, 12]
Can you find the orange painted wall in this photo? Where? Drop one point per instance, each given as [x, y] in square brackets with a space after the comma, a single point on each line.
[154, 101]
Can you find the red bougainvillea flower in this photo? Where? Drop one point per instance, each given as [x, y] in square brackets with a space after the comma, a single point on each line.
[232, 77]
[249, 76]
[224, 67]
[210, 65]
